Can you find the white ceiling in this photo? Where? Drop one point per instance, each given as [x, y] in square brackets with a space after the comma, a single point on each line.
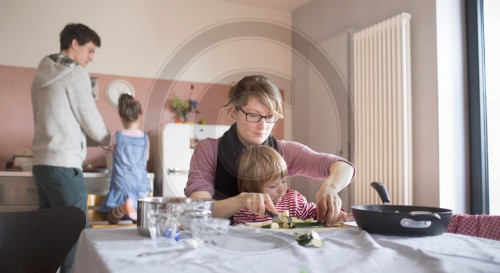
[288, 5]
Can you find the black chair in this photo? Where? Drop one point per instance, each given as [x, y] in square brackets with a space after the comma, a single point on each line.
[39, 240]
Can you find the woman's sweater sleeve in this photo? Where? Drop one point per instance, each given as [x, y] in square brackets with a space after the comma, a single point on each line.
[302, 160]
[203, 164]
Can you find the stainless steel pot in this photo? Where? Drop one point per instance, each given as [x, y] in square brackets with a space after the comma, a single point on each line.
[185, 206]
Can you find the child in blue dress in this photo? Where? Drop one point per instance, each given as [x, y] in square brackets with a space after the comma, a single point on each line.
[129, 180]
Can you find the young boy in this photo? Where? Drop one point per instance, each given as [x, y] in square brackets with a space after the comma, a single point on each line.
[262, 169]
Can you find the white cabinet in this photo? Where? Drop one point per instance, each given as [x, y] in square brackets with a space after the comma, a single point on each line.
[18, 189]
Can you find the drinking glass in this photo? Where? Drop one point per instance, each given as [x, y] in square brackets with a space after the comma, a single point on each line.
[163, 227]
[194, 210]
[211, 231]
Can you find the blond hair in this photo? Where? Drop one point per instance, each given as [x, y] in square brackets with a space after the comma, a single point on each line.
[258, 165]
[259, 87]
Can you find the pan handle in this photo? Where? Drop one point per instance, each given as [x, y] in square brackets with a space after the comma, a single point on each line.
[382, 192]
[424, 216]
[420, 219]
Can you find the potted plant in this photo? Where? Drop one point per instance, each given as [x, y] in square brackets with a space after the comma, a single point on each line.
[183, 108]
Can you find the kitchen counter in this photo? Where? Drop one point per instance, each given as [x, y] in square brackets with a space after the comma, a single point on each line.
[29, 174]
[18, 189]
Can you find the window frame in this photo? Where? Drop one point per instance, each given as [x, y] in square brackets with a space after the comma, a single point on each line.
[478, 137]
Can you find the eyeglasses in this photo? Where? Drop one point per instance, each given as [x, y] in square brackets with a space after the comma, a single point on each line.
[253, 117]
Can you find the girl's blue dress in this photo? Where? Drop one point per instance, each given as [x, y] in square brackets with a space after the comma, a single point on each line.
[129, 178]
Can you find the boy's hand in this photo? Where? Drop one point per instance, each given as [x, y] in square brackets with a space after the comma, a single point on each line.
[258, 203]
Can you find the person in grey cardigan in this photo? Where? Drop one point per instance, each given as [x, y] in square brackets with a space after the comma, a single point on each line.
[66, 121]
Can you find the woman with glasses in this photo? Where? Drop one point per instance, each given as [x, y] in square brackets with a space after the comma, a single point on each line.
[255, 104]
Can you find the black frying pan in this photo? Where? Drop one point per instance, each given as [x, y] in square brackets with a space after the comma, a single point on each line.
[400, 220]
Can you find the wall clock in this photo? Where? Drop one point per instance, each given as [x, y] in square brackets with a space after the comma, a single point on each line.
[115, 89]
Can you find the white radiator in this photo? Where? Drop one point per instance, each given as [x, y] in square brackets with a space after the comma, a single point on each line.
[382, 110]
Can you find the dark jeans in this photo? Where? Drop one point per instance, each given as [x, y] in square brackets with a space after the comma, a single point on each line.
[59, 187]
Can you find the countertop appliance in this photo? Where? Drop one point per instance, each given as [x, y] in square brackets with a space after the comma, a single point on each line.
[177, 142]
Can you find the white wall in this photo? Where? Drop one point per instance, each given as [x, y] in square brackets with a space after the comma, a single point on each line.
[139, 37]
[452, 101]
[320, 19]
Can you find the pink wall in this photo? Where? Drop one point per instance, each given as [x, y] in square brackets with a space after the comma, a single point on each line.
[16, 115]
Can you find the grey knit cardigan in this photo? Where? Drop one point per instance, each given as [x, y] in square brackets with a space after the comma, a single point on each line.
[65, 114]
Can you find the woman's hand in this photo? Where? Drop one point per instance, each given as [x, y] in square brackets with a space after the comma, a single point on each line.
[257, 203]
[328, 203]
[328, 200]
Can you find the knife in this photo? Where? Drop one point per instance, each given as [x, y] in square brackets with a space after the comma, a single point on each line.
[274, 216]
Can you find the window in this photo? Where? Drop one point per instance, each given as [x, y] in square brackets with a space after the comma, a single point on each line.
[483, 56]
[492, 70]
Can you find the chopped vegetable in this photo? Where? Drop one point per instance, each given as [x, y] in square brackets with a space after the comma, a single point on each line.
[310, 239]
[337, 224]
[308, 224]
[283, 220]
[316, 243]
[275, 225]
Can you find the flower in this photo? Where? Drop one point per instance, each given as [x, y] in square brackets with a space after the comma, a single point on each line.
[183, 107]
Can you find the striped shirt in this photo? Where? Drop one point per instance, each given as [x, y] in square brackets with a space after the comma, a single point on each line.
[293, 201]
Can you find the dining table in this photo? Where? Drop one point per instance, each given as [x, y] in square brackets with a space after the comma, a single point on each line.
[347, 248]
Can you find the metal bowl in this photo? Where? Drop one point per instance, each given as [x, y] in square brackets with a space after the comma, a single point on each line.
[182, 205]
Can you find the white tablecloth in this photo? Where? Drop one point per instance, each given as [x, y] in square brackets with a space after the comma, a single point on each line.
[247, 249]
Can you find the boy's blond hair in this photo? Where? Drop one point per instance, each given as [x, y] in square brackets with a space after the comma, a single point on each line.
[258, 165]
